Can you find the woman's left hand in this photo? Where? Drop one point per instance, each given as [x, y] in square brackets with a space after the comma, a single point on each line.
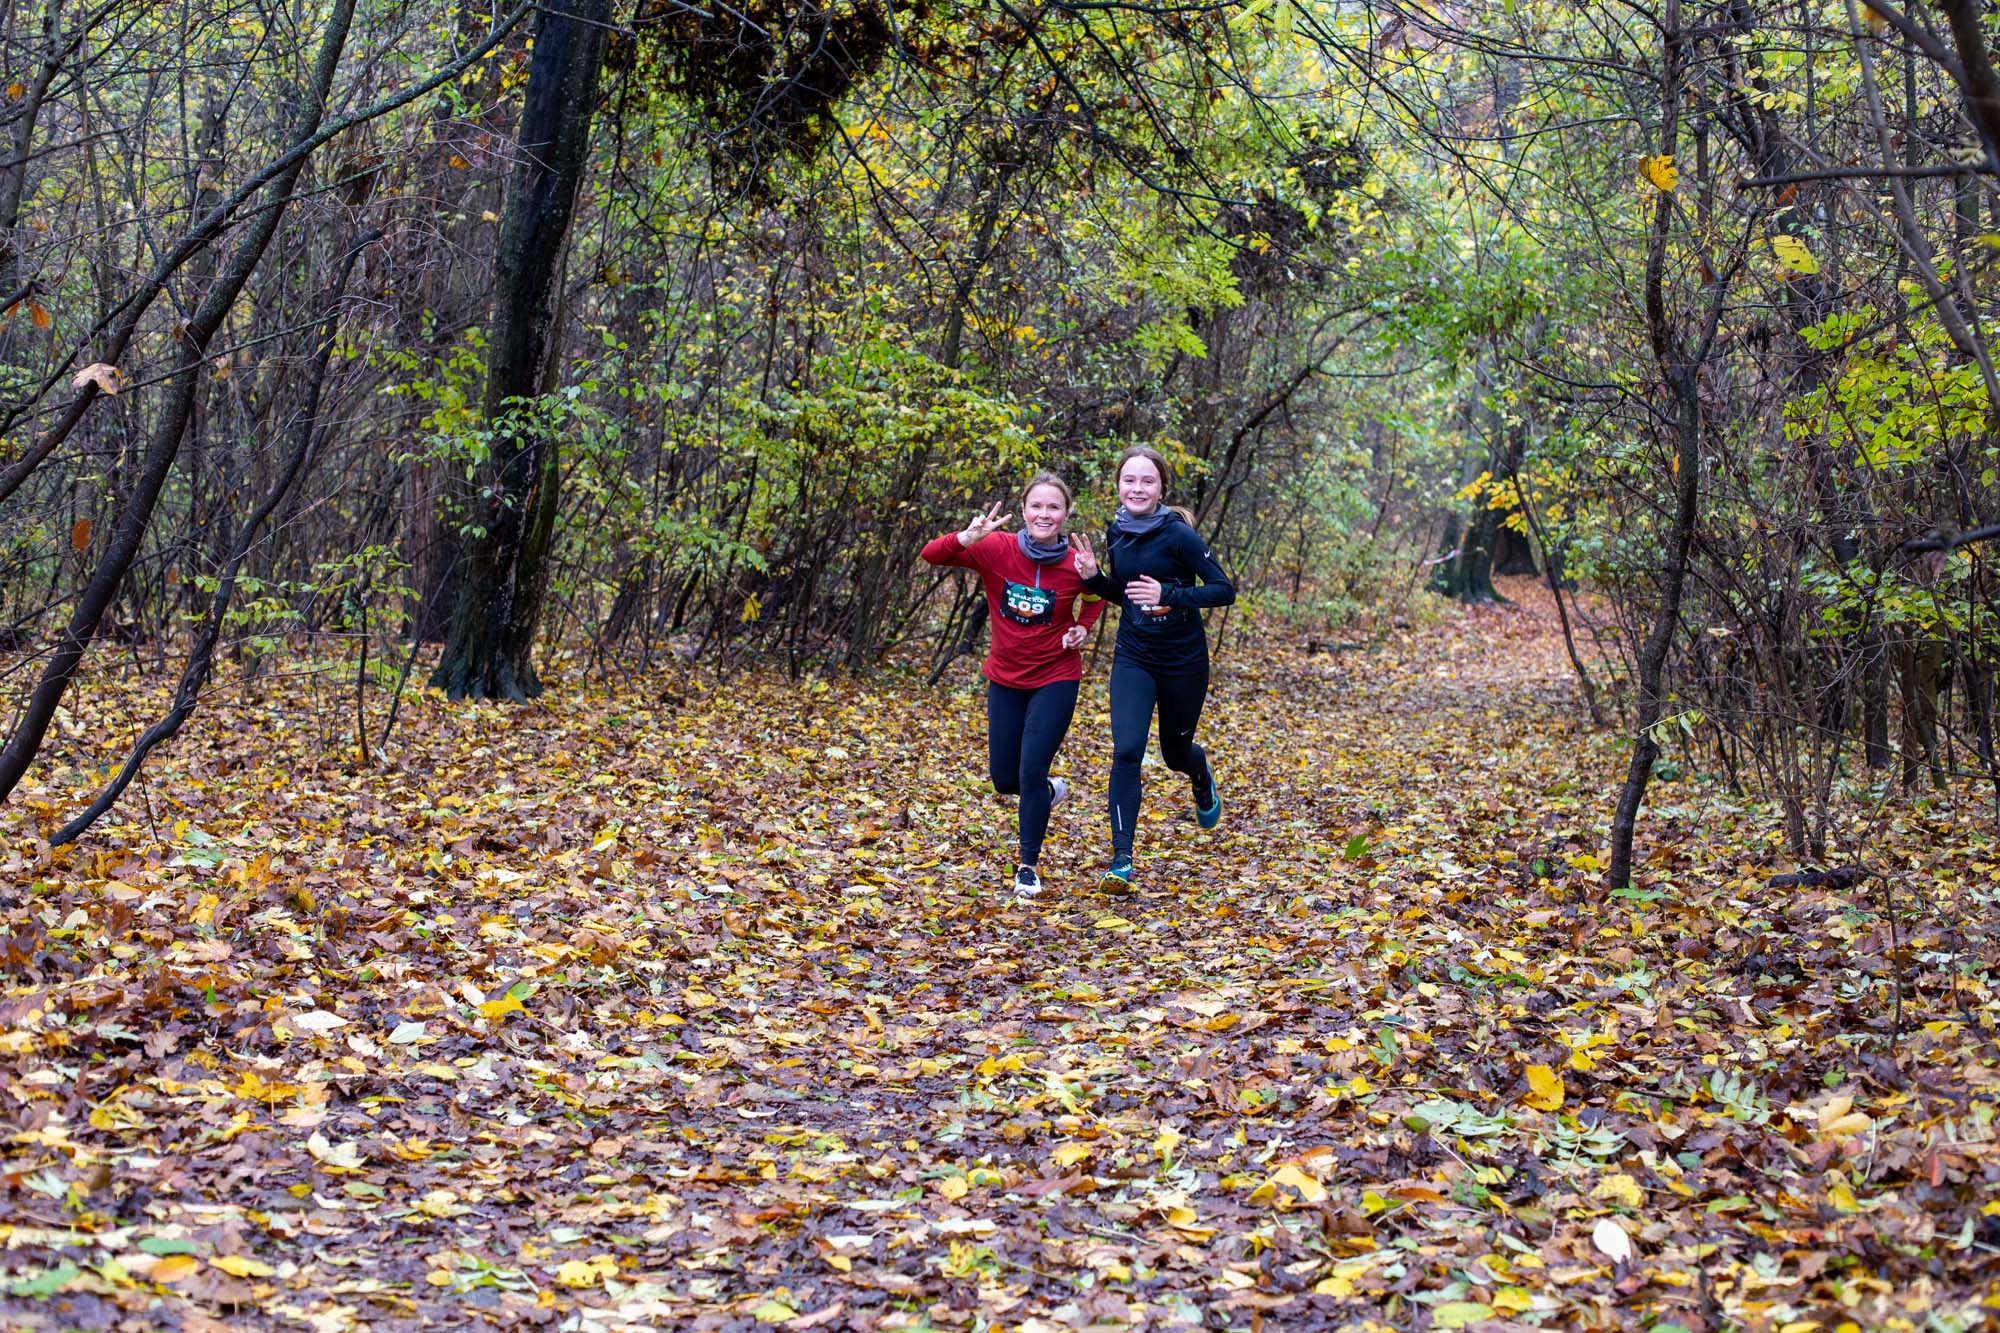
[1074, 636]
[1144, 591]
[1086, 559]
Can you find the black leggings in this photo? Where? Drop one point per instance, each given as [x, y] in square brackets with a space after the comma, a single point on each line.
[1024, 729]
[1135, 691]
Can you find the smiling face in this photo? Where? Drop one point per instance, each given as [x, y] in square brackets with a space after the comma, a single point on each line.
[1044, 511]
[1139, 487]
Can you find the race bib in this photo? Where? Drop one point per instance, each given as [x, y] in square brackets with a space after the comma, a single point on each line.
[1028, 606]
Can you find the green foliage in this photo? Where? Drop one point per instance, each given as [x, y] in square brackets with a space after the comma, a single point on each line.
[1899, 399]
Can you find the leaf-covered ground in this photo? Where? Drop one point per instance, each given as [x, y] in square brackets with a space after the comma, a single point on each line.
[702, 1004]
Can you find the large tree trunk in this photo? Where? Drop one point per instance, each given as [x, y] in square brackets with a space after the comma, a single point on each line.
[191, 356]
[489, 651]
[1512, 552]
[1467, 563]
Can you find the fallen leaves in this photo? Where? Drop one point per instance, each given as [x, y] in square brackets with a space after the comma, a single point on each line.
[1612, 1241]
[626, 1031]
[1545, 1089]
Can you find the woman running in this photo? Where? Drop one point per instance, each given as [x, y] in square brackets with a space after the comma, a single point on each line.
[1033, 668]
[1165, 577]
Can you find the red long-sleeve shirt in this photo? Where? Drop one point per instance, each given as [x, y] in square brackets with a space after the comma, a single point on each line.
[1031, 607]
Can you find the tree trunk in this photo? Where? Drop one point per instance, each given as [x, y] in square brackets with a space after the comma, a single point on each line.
[489, 651]
[1680, 375]
[1512, 553]
[1875, 701]
[1465, 572]
[1466, 568]
[1917, 667]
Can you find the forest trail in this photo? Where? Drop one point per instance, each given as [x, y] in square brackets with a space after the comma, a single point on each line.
[702, 1005]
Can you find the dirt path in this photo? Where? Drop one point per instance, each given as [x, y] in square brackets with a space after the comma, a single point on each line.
[700, 1007]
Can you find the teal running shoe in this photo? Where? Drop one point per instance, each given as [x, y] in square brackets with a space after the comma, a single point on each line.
[1119, 873]
[1207, 813]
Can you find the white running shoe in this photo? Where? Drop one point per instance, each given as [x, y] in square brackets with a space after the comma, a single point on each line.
[1058, 792]
[1027, 883]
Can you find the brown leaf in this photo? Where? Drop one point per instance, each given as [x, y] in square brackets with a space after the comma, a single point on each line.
[79, 535]
[108, 378]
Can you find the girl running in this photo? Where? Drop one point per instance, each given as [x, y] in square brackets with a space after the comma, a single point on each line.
[1033, 667]
[1165, 577]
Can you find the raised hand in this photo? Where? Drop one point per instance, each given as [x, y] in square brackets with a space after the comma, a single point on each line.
[983, 525]
[1086, 560]
[1144, 591]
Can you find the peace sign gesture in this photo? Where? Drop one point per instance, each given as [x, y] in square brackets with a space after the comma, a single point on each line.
[1086, 559]
[983, 525]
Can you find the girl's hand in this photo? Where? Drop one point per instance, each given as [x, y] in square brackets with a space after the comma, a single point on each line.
[1086, 559]
[1144, 591]
[983, 525]
[1074, 636]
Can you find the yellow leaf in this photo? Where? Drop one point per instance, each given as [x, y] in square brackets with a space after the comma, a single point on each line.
[237, 1265]
[953, 1187]
[175, 1268]
[1308, 1189]
[586, 1272]
[1333, 1286]
[1841, 1197]
[1545, 1089]
[500, 1008]
[1513, 1300]
[1660, 172]
[1793, 255]
[1112, 923]
[440, 1204]
[1072, 1153]
[1619, 1188]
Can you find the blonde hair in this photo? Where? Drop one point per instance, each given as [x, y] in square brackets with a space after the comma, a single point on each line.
[1047, 479]
[1161, 466]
